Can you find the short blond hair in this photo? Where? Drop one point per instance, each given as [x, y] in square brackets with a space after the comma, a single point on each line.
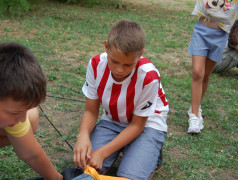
[127, 37]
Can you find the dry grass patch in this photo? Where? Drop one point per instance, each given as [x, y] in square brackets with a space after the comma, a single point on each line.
[168, 5]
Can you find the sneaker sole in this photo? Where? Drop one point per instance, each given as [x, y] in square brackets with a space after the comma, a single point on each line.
[194, 131]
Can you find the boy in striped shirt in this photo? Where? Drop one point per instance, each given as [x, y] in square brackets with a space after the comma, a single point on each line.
[128, 86]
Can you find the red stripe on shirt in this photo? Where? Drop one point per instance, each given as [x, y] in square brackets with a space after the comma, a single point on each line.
[103, 83]
[94, 62]
[162, 97]
[149, 77]
[130, 95]
[116, 90]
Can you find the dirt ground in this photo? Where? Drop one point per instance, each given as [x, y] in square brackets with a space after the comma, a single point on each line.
[179, 5]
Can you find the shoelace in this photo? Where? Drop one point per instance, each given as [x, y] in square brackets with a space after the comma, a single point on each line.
[193, 122]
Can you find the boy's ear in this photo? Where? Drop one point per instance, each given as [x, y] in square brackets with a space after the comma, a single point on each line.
[106, 45]
[142, 52]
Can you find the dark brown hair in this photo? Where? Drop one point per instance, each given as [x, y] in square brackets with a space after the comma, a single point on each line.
[127, 36]
[233, 36]
[21, 77]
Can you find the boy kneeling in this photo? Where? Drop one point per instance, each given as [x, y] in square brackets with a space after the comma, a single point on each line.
[129, 88]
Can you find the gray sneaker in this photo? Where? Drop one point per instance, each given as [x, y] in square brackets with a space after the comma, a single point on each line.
[195, 124]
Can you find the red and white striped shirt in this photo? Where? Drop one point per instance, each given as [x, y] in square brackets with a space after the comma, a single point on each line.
[141, 93]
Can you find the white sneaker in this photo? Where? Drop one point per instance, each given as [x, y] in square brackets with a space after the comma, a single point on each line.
[199, 112]
[195, 124]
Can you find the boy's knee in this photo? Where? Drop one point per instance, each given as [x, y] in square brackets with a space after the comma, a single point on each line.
[33, 115]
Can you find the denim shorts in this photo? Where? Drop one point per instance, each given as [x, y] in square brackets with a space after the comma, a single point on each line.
[140, 157]
[208, 42]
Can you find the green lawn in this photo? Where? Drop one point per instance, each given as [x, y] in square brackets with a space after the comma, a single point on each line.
[64, 37]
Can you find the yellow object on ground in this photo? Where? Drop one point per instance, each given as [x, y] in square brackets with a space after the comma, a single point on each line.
[93, 172]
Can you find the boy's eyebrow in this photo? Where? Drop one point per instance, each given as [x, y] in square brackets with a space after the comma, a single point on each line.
[7, 111]
[113, 59]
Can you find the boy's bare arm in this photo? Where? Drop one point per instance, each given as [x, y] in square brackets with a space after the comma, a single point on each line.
[29, 150]
[131, 132]
[83, 147]
[90, 116]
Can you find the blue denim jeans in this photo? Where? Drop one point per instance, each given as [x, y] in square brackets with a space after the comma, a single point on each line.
[140, 157]
[83, 177]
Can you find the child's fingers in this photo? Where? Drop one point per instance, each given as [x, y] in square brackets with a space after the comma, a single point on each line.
[79, 158]
[89, 153]
[96, 165]
[83, 159]
[76, 158]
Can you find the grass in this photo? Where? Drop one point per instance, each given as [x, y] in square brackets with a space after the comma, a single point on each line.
[64, 37]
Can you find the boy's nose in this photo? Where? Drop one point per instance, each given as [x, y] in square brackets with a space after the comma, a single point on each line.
[17, 120]
[119, 69]
[21, 119]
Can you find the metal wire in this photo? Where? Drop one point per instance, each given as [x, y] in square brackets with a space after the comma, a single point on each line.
[62, 137]
[63, 98]
[61, 85]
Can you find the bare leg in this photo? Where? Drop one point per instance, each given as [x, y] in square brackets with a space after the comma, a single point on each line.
[208, 71]
[33, 116]
[197, 82]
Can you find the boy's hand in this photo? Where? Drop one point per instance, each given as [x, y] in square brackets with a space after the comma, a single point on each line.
[97, 159]
[59, 177]
[82, 151]
[83, 147]
[29, 150]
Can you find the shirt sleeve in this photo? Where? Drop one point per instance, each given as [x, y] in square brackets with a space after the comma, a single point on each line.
[89, 88]
[19, 129]
[147, 102]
